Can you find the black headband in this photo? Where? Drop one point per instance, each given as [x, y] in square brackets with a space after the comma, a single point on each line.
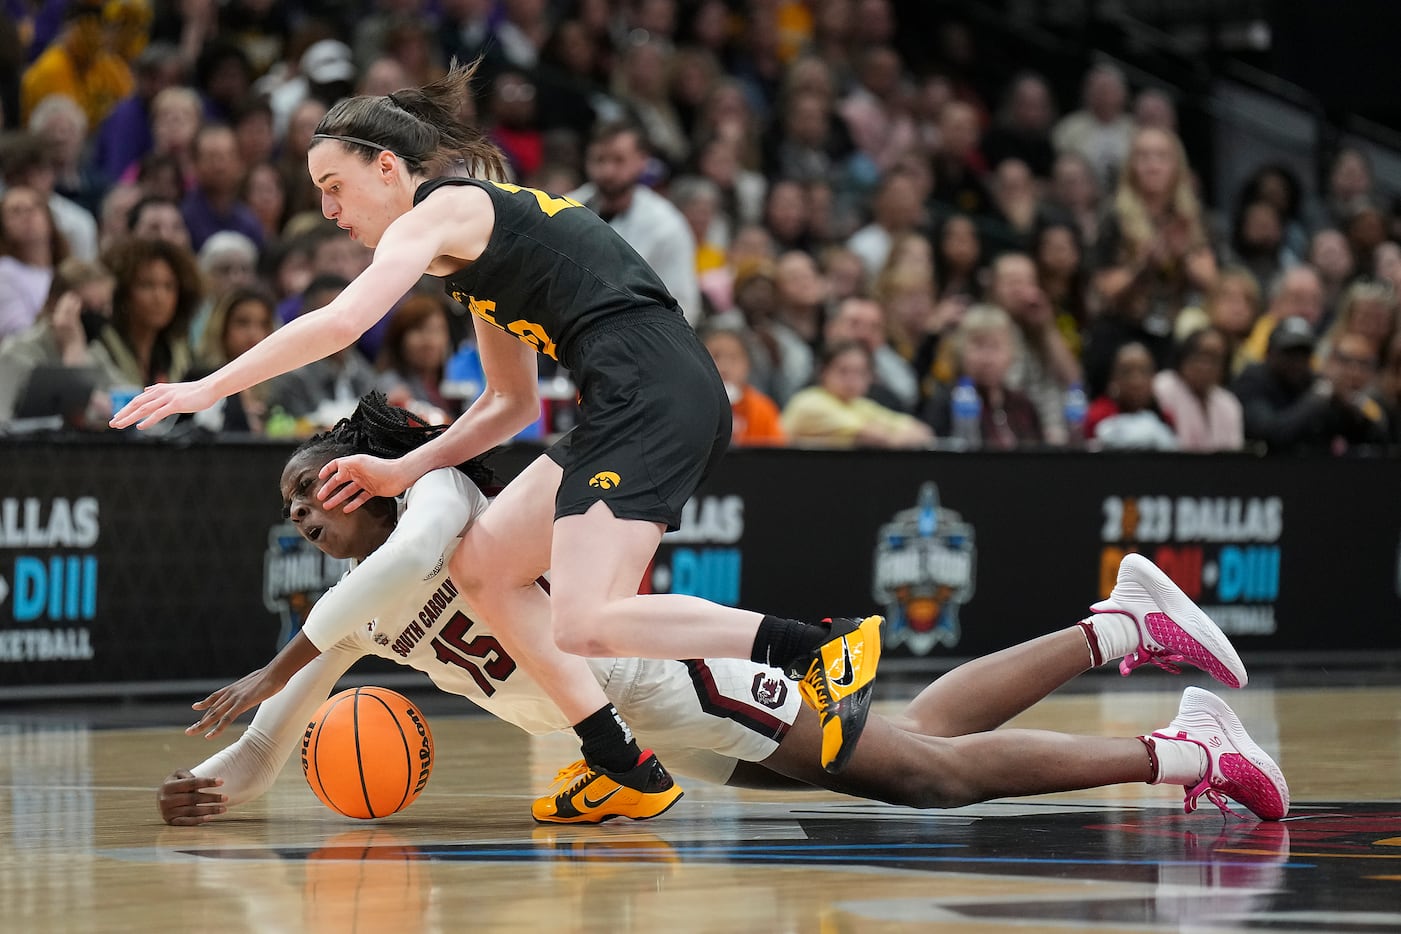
[352, 139]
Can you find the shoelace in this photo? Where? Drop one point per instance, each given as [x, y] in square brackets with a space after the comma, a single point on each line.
[817, 682]
[1204, 789]
[578, 769]
[1143, 656]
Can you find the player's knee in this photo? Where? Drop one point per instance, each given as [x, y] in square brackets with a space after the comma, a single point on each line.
[580, 634]
[937, 782]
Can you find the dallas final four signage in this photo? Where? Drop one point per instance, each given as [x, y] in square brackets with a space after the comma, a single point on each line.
[135, 562]
[125, 561]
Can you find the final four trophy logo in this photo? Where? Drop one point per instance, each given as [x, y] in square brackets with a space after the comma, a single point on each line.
[925, 560]
[295, 575]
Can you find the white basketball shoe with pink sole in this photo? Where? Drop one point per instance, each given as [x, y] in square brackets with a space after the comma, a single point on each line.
[1172, 630]
[1236, 767]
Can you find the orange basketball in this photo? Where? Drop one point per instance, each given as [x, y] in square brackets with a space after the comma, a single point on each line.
[367, 753]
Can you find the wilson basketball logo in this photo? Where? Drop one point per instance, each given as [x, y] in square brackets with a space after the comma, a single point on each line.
[605, 480]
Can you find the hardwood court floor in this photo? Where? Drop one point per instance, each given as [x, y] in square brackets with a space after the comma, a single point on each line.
[82, 849]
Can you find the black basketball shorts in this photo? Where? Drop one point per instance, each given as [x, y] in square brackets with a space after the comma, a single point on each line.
[654, 420]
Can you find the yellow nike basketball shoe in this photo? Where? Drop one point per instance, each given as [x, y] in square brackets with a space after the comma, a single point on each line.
[582, 794]
[837, 684]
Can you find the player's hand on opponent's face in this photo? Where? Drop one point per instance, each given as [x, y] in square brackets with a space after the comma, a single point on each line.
[156, 402]
[355, 479]
[223, 706]
[184, 799]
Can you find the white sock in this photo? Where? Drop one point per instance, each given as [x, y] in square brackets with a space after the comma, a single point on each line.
[1179, 762]
[1115, 635]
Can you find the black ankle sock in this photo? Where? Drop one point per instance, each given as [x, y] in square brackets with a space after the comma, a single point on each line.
[607, 741]
[781, 641]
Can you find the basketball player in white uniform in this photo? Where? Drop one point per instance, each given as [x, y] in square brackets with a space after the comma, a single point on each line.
[727, 720]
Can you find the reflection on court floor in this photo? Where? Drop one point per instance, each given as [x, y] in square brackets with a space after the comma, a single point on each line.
[81, 846]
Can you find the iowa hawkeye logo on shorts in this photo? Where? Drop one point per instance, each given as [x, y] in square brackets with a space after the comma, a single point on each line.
[605, 480]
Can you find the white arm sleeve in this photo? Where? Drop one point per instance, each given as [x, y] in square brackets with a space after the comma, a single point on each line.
[250, 765]
[439, 507]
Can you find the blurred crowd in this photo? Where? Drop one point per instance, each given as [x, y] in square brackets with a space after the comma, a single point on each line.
[880, 247]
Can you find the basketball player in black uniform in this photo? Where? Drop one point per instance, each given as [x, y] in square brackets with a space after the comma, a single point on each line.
[540, 274]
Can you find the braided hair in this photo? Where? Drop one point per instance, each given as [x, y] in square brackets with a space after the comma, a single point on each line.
[383, 430]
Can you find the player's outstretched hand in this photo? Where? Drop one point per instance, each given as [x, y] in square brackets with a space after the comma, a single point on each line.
[223, 706]
[355, 479]
[156, 402]
[184, 802]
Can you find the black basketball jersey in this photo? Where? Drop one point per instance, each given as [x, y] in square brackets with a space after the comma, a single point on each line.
[551, 270]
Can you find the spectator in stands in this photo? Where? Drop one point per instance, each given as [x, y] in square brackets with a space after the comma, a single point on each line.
[795, 327]
[125, 135]
[1152, 107]
[1288, 408]
[414, 355]
[80, 63]
[1389, 387]
[730, 114]
[411, 42]
[958, 258]
[1017, 206]
[1043, 366]
[291, 159]
[1061, 273]
[959, 166]
[26, 162]
[224, 77]
[742, 190]
[1257, 242]
[325, 72]
[323, 392]
[78, 304]
[212, 204]
[752, 244]
[176, 114]
[755, 416]
[787, 216]
[242, 317]
[157, 291]
[1369, 309]
[640, 84]
[875, 111]
[617, 158]
[698, 200]
[1350, 368]
[31, 247]
[836, 412]
[846, 272]
[1350, 182]
[896, 212]
[1231, 307]
[265, 193]
[511, 122]
[1153, 257]
[1075, 193]
[984, 346]
[814, 142]
[1127, 414]
[1022, 129]
[1277, 184]
[1101, 130]
[154, 218]
[62, 126]
[863, 320]
[1366, 229]
[1297, 293]
[228, 260]
[1193, 395]
[1332, 259]
[115, 219]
